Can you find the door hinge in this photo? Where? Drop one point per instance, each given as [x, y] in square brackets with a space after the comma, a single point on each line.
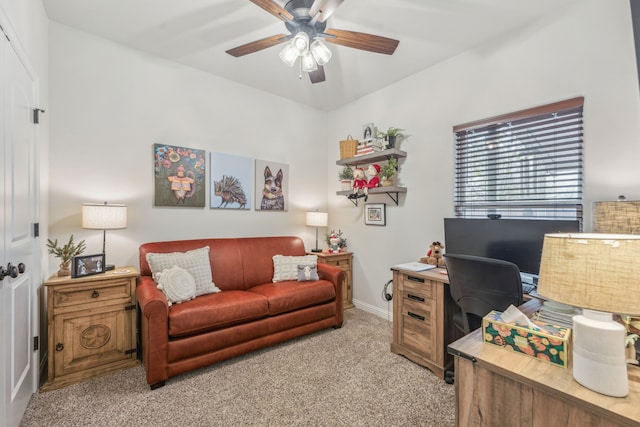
[36, 343]
[36, 229]
[36, 115]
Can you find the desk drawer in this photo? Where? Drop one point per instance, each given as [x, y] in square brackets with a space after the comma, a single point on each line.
[116, 290]
[414, 287]
[417, 325]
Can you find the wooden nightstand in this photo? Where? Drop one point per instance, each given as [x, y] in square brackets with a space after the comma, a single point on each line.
[344, 261]
[91, 324]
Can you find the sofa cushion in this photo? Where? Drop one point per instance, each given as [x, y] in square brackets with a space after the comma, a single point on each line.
[307, 272]
[292, 295]
[176, 284]
[215, 311]
[196, 262]
[286, 267]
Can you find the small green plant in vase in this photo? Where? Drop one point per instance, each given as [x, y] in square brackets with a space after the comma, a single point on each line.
[391, 136]
[346, 176]
[388, 172]
[65, 253]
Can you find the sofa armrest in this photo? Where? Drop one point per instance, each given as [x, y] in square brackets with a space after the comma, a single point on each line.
[154, 329]
[336, 276]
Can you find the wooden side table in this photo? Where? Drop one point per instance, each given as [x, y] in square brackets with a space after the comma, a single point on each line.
[91, 324]
[344, 261]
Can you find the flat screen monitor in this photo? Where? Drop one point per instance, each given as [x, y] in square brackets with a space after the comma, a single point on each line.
[515, 240]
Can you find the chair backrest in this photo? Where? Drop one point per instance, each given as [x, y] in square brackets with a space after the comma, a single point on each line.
[479, 285]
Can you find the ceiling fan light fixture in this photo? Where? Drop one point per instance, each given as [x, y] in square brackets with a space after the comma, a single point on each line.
[308, 63]
[289, 55]
[320, 51]
[300, 42]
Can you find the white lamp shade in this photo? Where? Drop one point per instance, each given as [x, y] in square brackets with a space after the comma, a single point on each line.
[288, 55]
[308, 63]
[300, 42]
[320, 52]
[103, 216]
[317, 219]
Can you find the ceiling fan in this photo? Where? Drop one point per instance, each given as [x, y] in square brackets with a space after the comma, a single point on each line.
[306, 21]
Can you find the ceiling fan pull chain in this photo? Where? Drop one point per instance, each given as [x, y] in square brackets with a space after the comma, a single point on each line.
[300, 73]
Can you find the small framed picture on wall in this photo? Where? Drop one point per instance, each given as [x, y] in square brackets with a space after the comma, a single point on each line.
[375, 214]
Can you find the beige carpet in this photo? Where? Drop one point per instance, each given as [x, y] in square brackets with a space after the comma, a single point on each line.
[337, 377]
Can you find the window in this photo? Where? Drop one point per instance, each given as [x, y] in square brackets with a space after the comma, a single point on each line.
[526, 164]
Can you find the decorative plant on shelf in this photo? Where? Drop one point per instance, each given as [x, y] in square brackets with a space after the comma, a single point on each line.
[388, 171]
[346, 176]
[342, 241]
[65, 253]
[391, 135]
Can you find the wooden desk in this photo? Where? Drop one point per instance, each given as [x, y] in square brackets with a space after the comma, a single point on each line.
[497, 387]
[423, 318]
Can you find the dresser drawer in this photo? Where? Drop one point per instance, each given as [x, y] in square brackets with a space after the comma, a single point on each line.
[414, 287]
[116, 291]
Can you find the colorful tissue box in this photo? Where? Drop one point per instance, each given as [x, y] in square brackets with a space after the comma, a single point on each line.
[549, 343]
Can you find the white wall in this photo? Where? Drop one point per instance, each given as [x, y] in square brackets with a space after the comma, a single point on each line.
[586, 50]
[110, 104]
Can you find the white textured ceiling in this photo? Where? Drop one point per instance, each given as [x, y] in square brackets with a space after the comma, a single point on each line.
[198, 32]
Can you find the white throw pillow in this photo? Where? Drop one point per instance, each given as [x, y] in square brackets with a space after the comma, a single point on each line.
[177, 285]
[196, 262]
[286, 267]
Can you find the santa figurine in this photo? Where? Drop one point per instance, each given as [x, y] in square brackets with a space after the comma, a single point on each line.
[374, 180]
[359, 184]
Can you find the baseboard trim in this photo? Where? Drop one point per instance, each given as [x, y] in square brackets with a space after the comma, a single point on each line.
[380, 312]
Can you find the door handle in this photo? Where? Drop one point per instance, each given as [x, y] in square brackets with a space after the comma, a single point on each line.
[12, 270]
[22, 268]
[3, 273]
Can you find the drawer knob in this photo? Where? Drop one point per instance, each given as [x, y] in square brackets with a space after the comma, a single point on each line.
[95, 294]
[59, 346]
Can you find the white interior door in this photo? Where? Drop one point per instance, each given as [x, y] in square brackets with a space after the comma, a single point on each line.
[18, 248]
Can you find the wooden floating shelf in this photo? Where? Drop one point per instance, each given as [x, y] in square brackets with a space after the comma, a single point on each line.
[389, 191]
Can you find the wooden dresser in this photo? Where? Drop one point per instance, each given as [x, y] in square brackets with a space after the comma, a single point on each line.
[344, 260]
[91, 325]
[423, 318]
[498, 387]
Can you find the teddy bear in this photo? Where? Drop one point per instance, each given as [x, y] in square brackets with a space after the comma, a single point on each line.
[434, 255]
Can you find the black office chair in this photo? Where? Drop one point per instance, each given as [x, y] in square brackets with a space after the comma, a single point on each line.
[479, 285]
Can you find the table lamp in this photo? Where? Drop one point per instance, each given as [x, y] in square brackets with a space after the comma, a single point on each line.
[621, 217]
[317, 219]
[601, 274]
[104, 217]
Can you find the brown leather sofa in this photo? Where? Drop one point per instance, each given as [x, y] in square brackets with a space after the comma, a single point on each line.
[250, 312]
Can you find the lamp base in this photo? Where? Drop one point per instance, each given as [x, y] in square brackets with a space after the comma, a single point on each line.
[316, 250]
[109, 267]
[599, 354]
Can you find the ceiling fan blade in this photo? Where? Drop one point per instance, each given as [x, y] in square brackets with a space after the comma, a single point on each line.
[274, 9]
[362, 41]
[325, 7]
[257, 45]
[317, 76]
